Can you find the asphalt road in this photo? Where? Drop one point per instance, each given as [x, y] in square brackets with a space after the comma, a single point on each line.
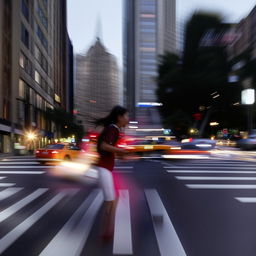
[174, 208]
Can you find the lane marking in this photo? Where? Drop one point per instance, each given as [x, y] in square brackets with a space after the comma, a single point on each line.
[19, 230]
[1, 178]
[185, 157]
[231, 172]
[167, 238]
[213, 178]
[212, 167]
[9, 192]
[20, 204]
[26, 167]
[123, 172]
[16, 163]
[217, 165]
[3, 185]
[212, 163]
[22, 172]
[70, 240]
[220, 186]
[123, 233]
[18, 159]
[123, 167]
[246, 199]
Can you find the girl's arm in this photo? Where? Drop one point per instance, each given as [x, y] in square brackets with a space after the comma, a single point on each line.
[107, 147]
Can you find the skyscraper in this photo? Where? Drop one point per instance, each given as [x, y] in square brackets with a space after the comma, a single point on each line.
[96, 84]
[149, 32]
[33, 67]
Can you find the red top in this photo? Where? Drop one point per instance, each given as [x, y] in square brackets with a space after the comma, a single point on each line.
[109, 135]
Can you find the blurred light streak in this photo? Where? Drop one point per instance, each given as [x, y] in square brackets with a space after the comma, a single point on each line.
[185, 157]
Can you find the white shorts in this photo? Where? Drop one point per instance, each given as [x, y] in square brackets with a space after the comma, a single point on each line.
[106, 182]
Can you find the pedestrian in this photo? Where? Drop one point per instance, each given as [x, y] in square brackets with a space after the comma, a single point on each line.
[107, 149]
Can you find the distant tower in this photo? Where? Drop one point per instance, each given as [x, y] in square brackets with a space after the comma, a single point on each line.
[97, 83]
[99, 33]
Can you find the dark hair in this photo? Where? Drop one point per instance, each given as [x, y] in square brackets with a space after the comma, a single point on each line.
[112, 118]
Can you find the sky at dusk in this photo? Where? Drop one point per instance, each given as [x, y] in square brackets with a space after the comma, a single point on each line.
[88, 19]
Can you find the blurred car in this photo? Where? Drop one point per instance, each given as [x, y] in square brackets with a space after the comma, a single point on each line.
[57, 152]
[141, 146]
[247, 144]
[226, 143]
[199, 144]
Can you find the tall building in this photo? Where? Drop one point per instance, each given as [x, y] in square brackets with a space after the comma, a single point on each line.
[70, 79]
[149, 32]
[242, 52]
[33, 68]
[96, 84]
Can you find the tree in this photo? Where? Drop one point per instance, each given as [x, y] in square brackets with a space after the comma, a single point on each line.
[199, 78]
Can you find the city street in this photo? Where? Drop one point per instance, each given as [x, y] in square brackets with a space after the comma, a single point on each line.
[176, 207]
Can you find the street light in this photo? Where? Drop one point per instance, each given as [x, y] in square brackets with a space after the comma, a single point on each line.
[30, 136]
[248, 98]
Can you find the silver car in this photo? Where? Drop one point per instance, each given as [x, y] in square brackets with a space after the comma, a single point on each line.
[247, 144]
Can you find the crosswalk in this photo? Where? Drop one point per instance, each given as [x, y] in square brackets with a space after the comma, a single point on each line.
[73, 233]
[237, 175]
[72, 236]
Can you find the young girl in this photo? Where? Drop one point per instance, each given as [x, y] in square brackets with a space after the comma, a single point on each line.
[107, 149]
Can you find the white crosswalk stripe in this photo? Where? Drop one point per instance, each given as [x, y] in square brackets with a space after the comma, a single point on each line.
[20, 204]
[20, 229]
[7, 185]
[213, 178]
[212, 167]
[71, 238]
[18, 163]
[167, 238]
[220, 186]
[9, 192]
[246, 199]
[26, 167]
[236, 172]
[22, 172]
[21, 159]
[123, 233]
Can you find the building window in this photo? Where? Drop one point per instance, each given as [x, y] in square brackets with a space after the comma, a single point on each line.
[39, 101]
[37, 54]
[42, 38]
[22, 60]
[21, 112]
[25, 10]
[44, 64]
[42, 17]
[6, 105]
[45, 2]
[37, 77]
[31, 96]
[24, 36]
[21, 89]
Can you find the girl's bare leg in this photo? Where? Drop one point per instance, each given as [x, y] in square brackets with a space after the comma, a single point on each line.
[109, 219]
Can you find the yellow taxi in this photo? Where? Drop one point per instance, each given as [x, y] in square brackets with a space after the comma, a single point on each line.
[57, 152]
